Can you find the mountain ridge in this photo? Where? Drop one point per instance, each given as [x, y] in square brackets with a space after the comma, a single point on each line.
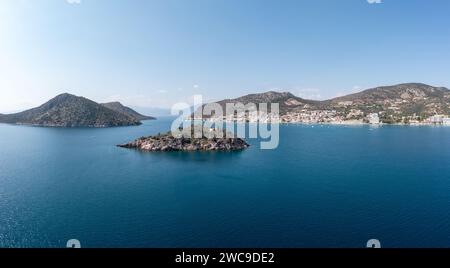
[395, 103]
[67, 110]
[119, 107]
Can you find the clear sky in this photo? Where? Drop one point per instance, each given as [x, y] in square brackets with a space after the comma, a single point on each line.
[152, 53]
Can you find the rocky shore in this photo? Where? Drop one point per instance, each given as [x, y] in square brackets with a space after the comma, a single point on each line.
[167, 142]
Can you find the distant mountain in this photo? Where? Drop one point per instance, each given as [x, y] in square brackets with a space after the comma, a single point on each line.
[118, 107]
[155, 112]
[393, 103]
[67, 110]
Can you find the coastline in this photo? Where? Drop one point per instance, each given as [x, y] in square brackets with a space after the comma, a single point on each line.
[340, 123]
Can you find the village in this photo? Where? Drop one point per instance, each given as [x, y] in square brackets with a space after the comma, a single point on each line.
[354, 116]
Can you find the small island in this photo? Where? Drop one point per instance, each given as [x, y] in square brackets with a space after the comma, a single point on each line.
[168, 142]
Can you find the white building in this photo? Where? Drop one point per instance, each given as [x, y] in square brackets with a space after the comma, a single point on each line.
[436, 119]
[373, 118]
[446, 121]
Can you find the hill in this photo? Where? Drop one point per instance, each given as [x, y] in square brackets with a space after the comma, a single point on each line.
[118, 107]
[286, 100]
[394, 104]
[397, 101]
[67, 110]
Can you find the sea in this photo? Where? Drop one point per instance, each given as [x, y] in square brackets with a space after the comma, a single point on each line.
[324, 186]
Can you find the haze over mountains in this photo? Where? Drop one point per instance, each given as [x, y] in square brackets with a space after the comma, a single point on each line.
[68, 110]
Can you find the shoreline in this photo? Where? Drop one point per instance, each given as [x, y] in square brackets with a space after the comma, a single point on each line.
[342, 123]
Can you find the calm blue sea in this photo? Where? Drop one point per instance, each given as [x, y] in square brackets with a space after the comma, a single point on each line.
[325, 186]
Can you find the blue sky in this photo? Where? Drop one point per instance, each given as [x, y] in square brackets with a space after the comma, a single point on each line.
[154, 53]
